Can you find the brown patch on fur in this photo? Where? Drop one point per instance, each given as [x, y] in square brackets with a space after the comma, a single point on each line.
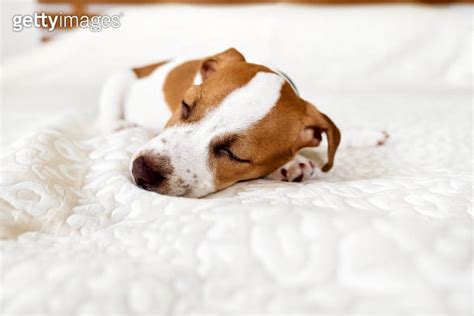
[145, 71]
[320, 122]
[178, 81]
[267, 145]
[211, 64]
[213, 90]
[272, 141]
[216, 85]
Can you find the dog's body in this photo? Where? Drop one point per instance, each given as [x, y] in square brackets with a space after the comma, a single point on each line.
[219, 120]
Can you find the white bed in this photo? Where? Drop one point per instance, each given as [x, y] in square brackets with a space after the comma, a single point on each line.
[387, 232]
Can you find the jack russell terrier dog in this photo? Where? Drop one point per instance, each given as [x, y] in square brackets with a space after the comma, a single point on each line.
[218, 120]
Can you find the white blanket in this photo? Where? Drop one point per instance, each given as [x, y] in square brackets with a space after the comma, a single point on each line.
[387, 231]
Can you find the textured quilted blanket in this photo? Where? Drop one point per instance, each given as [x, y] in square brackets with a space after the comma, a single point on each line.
[389, 230]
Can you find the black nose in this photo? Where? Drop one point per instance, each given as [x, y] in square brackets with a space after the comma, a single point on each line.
[150, 172]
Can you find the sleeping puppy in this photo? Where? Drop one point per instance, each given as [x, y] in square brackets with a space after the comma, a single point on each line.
[218, 120]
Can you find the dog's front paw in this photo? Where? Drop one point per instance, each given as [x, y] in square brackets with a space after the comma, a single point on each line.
[297, 170]
[363, 137]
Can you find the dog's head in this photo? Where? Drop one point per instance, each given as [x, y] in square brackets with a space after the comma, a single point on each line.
[241, 122]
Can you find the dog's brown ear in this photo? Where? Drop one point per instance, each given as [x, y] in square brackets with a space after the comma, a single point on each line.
[211, 64]
[316, 123]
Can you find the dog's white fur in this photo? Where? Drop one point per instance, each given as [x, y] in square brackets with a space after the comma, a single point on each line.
[259, 96]
[112, 100]
[127, 101]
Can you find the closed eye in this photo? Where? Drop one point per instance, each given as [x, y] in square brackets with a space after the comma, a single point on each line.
[224, 150]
